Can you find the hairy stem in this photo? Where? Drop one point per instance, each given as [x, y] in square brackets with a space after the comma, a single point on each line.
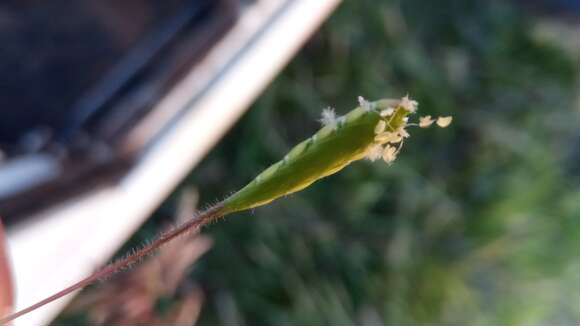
[361, 133]
[193, 225]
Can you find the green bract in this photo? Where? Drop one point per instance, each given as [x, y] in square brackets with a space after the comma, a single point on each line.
[373, 130]
[347, 139]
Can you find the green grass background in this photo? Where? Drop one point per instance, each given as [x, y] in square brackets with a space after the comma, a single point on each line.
[477, 224]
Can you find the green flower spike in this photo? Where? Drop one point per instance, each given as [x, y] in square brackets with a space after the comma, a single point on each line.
[373, 130]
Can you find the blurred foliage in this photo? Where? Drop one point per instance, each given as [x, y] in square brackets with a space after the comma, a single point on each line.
[477, 224]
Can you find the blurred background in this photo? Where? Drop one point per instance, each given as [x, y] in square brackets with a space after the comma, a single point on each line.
[477, 224]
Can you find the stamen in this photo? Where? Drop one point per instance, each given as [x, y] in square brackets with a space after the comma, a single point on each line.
[381, 126]
[443, 122]
[425, 121]
[374, 152]
[403, 132]
[408, 104]
[389, 154]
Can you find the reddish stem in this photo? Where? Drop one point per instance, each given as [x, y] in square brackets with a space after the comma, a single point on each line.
[193, 225]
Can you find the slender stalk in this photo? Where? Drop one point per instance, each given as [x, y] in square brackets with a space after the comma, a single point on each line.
[371, 130]
[193, 225]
